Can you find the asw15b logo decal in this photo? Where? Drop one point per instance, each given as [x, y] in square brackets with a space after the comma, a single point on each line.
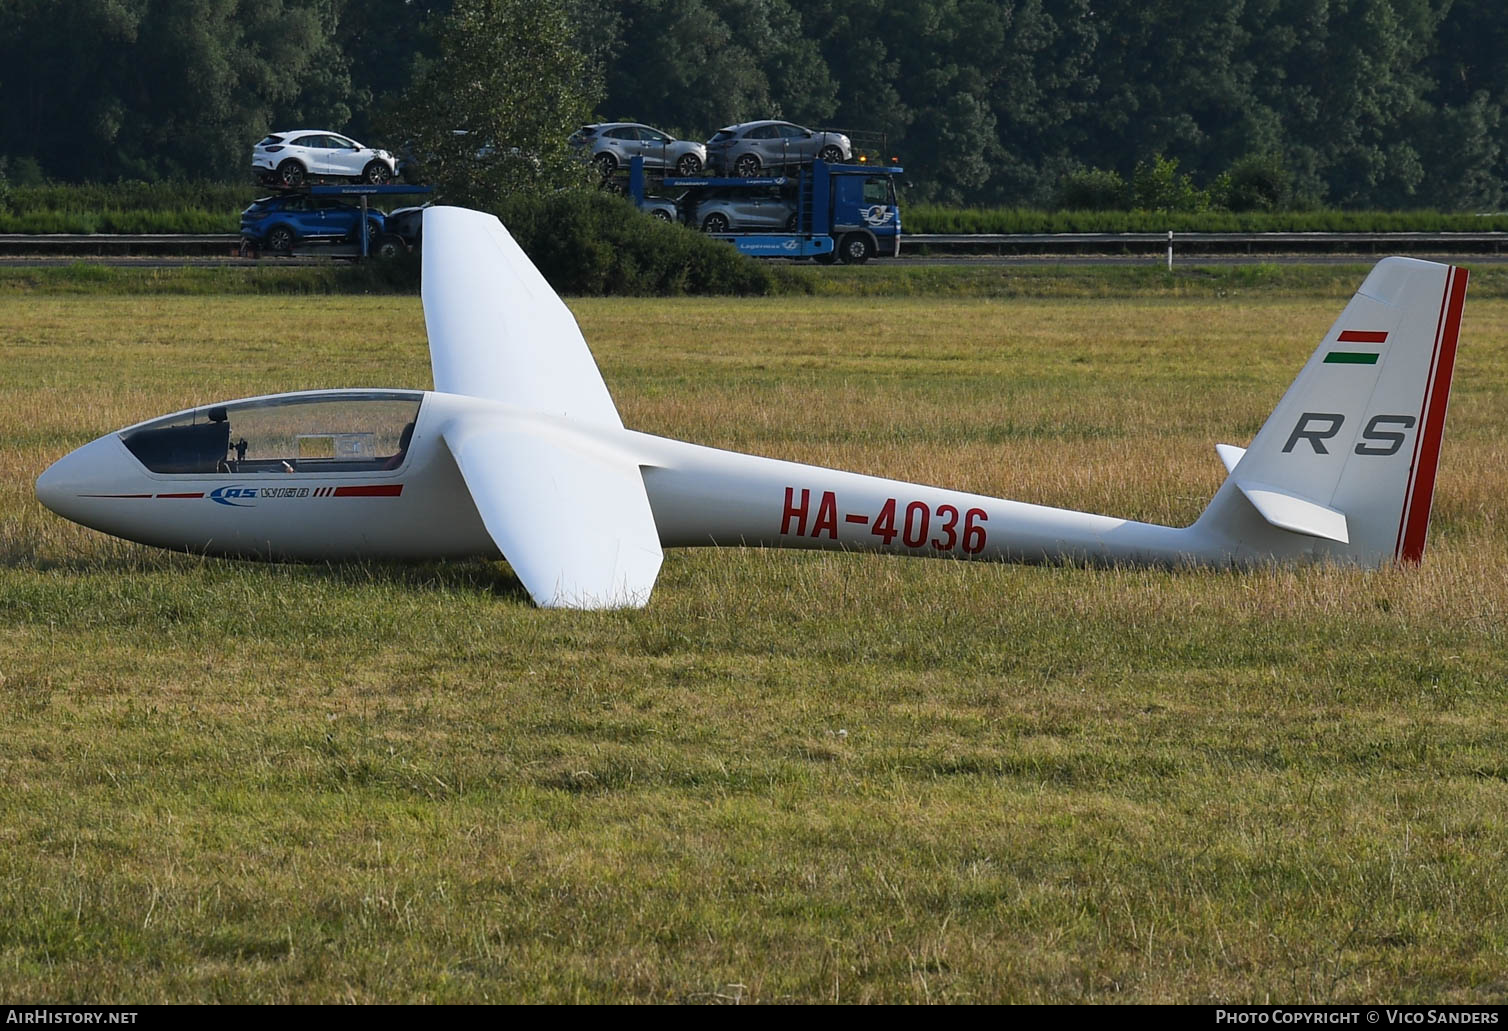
[237, 496]
[246, 497]
[241, 496]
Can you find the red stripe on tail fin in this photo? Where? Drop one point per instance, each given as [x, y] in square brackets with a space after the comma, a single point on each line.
[1414, 525]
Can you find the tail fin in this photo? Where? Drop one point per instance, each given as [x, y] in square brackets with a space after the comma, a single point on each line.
[1345, 466]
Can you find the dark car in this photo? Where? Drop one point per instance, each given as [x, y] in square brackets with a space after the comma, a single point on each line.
[407, 224]
[278, 224]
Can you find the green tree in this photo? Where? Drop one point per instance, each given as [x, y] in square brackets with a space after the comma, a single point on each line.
[151, 88]
[977, 97]
[384, 41]
[1464, 144]
[1348, 80]
[1178, 78]
[1361, 102]
[1256, 182]
[1157, 185]
[490, 113]
[1094, 190]
[693, 66]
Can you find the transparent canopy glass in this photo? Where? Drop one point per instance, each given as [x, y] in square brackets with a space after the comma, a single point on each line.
[287, 433]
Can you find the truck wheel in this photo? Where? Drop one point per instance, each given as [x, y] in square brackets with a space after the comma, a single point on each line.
[376, 174]
[387, 247]
[715, 223]
[855, 249]
[747, 166]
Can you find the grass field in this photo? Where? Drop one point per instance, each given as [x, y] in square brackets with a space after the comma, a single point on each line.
[1229, 283]
[794, 776]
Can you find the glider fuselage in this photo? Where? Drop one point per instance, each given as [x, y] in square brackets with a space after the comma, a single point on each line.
[421, 508]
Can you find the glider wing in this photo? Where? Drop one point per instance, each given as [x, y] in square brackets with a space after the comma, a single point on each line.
[566, 508]
[497, 329]
[569, 515]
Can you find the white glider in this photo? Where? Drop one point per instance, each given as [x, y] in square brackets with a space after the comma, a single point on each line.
[519, 452]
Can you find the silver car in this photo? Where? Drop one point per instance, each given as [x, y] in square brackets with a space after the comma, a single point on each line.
[662, 208]
[747, 149]
[766, 208]
[612, 145]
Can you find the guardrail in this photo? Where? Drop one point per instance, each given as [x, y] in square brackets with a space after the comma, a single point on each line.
[1210, 243]
[118, 243]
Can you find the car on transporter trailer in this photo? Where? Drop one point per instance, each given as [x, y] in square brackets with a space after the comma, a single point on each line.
[768, 208]
[612, 145]
[752, 148]
[292, 159]
[279, 224]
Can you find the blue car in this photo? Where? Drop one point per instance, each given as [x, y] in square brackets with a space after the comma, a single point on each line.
[278, 224]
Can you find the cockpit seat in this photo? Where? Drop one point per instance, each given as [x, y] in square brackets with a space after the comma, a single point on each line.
[181, 449]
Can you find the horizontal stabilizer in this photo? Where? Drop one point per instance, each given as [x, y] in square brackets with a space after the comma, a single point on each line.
[569, 515]
[1230, 455]
[1300, 515]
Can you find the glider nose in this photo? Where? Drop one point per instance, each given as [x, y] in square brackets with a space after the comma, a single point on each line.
[76, 473]
[51, 491]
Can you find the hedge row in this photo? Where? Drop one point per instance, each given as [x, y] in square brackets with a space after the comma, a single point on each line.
[167, 207]
[205, 207]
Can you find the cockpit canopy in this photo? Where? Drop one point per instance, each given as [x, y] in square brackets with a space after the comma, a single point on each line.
[336, 432]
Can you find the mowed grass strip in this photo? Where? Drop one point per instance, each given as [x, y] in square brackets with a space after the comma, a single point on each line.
[794, 776]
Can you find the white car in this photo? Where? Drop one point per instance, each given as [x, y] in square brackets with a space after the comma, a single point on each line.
[292, 158]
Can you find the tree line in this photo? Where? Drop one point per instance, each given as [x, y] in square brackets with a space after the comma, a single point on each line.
[1350, 103]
